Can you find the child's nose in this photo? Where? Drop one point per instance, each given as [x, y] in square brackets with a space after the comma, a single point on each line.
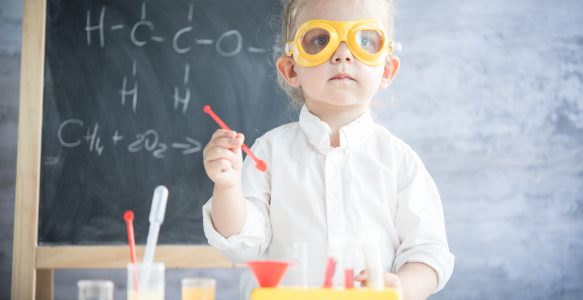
[342, 54]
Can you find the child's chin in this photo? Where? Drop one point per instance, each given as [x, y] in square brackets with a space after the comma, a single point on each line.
[346, 103]
[345, 96]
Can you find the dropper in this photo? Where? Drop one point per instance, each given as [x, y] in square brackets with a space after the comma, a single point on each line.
[156, 218]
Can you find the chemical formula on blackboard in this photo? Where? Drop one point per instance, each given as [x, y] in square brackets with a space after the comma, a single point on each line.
[71, 135]
[124, 86]
[77, 133]
[148, 28]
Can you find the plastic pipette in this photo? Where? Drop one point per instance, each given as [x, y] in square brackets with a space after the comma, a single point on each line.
[156, 218]
[261, 165]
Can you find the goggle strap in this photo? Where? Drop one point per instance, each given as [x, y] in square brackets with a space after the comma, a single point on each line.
[394, 46]
[289, 48]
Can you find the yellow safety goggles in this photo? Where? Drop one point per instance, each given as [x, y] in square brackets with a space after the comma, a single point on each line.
[317, 40]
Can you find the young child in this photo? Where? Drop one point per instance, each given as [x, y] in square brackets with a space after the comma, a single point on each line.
[334, 170]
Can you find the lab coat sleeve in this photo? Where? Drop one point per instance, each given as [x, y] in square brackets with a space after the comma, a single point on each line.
[419, 220]
[255, 236]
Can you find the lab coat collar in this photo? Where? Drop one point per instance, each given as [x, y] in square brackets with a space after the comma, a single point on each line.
[352, 135]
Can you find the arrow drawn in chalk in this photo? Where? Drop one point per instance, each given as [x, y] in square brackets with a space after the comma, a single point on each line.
[192, 146]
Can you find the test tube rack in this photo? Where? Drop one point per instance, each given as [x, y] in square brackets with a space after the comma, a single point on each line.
[324, 294]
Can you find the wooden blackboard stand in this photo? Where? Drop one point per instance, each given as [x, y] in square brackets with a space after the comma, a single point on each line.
[33, 265]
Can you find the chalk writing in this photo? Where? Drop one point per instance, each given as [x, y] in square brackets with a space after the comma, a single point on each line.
[70, 135]
[147, 30]
[92, 138]
[191, 146]
[150, 142]
[101, 23]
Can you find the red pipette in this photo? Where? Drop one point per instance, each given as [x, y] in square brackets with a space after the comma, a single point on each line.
[128, 216]
[259, 164]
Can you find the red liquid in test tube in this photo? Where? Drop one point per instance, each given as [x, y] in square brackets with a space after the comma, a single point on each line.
[348, 278]
[330, 269]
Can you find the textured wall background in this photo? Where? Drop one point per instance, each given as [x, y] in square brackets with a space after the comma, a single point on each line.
[490, 94]
[10, 37]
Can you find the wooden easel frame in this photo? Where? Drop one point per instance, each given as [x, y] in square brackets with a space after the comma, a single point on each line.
[33, 265]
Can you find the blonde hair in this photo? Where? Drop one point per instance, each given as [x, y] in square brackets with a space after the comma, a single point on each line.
[292, 9]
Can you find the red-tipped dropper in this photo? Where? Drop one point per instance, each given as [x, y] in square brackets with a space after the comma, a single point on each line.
[128, 216]
[259, 164]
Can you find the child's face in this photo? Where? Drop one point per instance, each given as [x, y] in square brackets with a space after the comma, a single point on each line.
[342, 80]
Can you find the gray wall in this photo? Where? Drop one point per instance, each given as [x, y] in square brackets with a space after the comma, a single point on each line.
[10, 36]
[490, 94]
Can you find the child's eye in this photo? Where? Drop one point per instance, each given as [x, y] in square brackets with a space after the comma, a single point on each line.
[315, 40]
[364, 42]
[321, 40]
[367, 44]
[369, 41]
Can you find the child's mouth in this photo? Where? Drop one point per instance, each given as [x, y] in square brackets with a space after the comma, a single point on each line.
[342, 76]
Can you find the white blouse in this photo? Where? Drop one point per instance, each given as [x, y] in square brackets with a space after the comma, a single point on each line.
[315, 194]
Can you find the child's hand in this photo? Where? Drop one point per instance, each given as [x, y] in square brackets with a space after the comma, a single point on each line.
[391, 280]
[223, 159]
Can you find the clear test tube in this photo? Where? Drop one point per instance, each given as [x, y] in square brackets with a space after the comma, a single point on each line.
[336, 254]
[300, 265]
[353, 258]
[372, 255]
[95, 289]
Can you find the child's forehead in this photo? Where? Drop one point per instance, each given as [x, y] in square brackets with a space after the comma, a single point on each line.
[343, 10]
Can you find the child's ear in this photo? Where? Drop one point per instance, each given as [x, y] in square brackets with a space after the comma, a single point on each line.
[391, 67]
[285, 67]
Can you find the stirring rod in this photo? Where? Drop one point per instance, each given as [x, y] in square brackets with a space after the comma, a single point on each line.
[129, 218]
[156, 218]
[259, 164]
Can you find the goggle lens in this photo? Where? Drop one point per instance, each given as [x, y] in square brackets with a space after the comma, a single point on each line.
[370, 41]
[315, 40]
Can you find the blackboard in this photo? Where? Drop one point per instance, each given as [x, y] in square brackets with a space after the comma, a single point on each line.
[124, 86]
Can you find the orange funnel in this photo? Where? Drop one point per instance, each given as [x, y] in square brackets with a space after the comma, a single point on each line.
[268, 272]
